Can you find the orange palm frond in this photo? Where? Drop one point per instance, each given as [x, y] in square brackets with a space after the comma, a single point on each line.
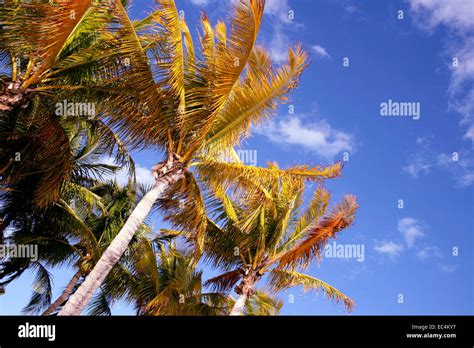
[52, 33]
[341, 217]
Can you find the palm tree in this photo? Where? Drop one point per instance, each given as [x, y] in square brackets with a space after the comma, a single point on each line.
[196, 110]
[73, 232]
[60, 230]
[159, 279]
[266, 234]
[71, 45]
[167, 283]
[50, 53]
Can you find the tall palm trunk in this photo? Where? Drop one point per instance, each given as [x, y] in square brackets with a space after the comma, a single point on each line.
[239, 305]
[169, 173]
[65, 294]
[244, 290]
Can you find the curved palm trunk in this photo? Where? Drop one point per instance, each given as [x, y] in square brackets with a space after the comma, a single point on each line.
[244, 290]
[239, 305]
[65, 294]
[119, 245]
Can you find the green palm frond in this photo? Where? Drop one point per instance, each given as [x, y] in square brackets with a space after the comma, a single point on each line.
[262, 304]
[42, 290]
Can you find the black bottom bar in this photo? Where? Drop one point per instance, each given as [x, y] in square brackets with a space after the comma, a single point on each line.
[22, 331]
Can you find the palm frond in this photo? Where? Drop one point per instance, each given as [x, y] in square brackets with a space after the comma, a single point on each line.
[257, 98]
[224, 282]
[281, 280]
[42, 290]
[311, 246]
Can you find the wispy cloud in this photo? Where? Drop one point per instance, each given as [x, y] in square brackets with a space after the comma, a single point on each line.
[351, 9]
[411, 229]
[283, 22]
[417, 164]
[456, 14]
[278, 9]
[199, 2]
[389, 248]
[279, 44]
[429, 252]
[459, 164]
[457, 17]
[319, 137]
[321, 52]
[447, 268]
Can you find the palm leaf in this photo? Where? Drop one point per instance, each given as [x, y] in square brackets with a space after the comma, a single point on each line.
[340, 217]
[282, 280]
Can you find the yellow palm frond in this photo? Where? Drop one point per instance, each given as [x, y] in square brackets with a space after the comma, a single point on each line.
[172, 29]
[230, 61]
[281, 280]
[229, 172]
[139, 115]
[257, 98]
[316, 208]
[208, 45]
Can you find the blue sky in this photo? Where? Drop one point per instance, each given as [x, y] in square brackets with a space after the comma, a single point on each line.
[418, 259]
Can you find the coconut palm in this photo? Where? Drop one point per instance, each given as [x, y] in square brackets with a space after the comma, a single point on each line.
[59, 230]
[266, 234]
[71, 233]
[200, 106]
[72, 52]
[159, 279]
[71, 45]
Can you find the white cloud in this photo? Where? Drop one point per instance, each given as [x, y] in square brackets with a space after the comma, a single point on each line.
[278, 9]
[466, 179]
[448, 268]
[458, 17]
[279, 13]
[321, 52]
[429, 252]
[417, 165]
[456, 14]
[463, 71]
[390, 248]
[460, 164]
[279, 45]
[462, 169]
[411, 229]
[319, 137]
[199, 2]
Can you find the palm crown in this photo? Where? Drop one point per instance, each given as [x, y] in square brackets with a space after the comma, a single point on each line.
[266, 233]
